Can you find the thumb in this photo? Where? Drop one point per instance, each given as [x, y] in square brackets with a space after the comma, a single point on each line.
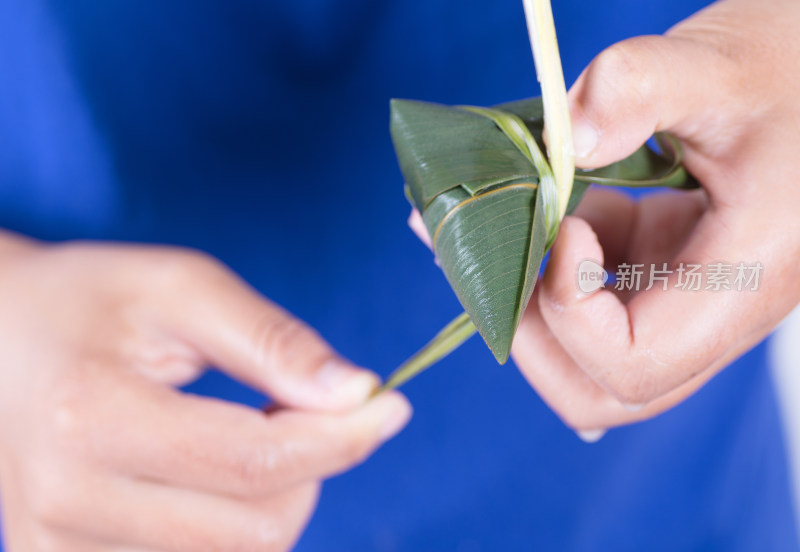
[641, 86]
[232, 327]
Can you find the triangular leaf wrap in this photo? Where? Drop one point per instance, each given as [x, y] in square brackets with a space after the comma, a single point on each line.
[478, 195]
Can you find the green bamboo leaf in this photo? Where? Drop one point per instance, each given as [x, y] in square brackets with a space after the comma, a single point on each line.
[440, 148]
[477, 189]
[515, 130]
[490, 247]
[446, 341]
[476, 176]
[645, 168]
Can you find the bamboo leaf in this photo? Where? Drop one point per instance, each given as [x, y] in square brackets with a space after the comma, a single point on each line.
[434, 159]
[446, 341]
[645, 168]
[516, 131]
[476, 175]
[476, 186]
[491, 256]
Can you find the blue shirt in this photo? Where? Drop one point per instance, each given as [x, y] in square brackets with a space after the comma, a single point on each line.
[258, 131]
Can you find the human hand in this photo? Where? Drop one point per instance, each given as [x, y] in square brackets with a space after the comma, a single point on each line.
[725, 83]
[98, 452]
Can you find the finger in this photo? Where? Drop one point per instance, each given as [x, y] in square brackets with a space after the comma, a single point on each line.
[165, 361]
[66, 541]
[581, 404]
[663, 224]
[215, 446]
[45, 523]
[258, 342]
[649, 231]
[131, 515]
[573, 395]
[630, 350]
[417, 225]
[612, 215]
[46, 539]
[58, 540]
[648, 84]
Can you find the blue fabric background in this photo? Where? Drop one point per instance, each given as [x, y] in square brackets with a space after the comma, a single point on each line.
[257, 130]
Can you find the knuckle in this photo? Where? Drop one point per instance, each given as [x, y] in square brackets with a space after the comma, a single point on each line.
[175, 266]
[626, 68]
[69, 422]
[255, 468]
[614, 61]
[263, 470]
[631, 395]
[72, 410]
[632, 386]
[284, 339]
[621, 61]
[196, 260]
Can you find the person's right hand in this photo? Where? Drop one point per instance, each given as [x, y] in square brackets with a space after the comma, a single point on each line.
[98, 451]
[724, 83]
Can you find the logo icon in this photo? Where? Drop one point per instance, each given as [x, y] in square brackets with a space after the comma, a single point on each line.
[591, 276]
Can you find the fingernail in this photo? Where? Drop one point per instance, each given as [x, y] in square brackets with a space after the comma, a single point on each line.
[399, 412]
[345, 379]
[585, 137]
[633, 407]
[590, 435]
